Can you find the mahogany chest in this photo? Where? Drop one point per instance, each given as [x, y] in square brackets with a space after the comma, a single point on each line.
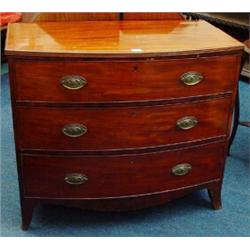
[119, 115]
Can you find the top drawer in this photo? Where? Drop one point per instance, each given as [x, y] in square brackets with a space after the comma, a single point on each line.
[110, 81]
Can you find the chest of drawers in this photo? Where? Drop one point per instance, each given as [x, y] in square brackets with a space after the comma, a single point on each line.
[120, 115]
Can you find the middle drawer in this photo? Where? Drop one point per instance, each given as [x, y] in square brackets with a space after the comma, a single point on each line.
[119, 128]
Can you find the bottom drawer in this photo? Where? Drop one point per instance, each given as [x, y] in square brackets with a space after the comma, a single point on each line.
[123, 175]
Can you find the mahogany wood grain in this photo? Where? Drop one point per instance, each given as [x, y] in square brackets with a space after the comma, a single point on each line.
[67, 16]
[130, 105]
[117, 38]
[108, 176]
[120, 128]
[98, 16]
[125, 81]
[215, 196]
[132, 202]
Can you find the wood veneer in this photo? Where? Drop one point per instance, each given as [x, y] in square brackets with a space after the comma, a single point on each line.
[131, 103]
[108, 175]
[68, 16]
[120, 128]
[144, 81]
[116, 39]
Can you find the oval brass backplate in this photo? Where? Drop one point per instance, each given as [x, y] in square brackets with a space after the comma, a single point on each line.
[187, 122]
[181, 169]
[74, 130]
[75, 179]
[73, 82]
[191, 78]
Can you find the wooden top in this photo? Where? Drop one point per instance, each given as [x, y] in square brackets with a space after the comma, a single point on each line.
[117, 38]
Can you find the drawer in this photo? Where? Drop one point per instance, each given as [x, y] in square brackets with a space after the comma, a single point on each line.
[111, 176]
[110, 81]
[119, 128]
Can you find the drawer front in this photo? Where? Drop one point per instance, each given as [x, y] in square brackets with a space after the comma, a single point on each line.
[119, 128]
[111, 176]
[69, 81]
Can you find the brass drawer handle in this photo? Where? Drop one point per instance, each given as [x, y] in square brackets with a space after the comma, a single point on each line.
[73, 82]
[191, 78]
[187, 122]
[181, 169]
[74, 130]
[75, 179]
